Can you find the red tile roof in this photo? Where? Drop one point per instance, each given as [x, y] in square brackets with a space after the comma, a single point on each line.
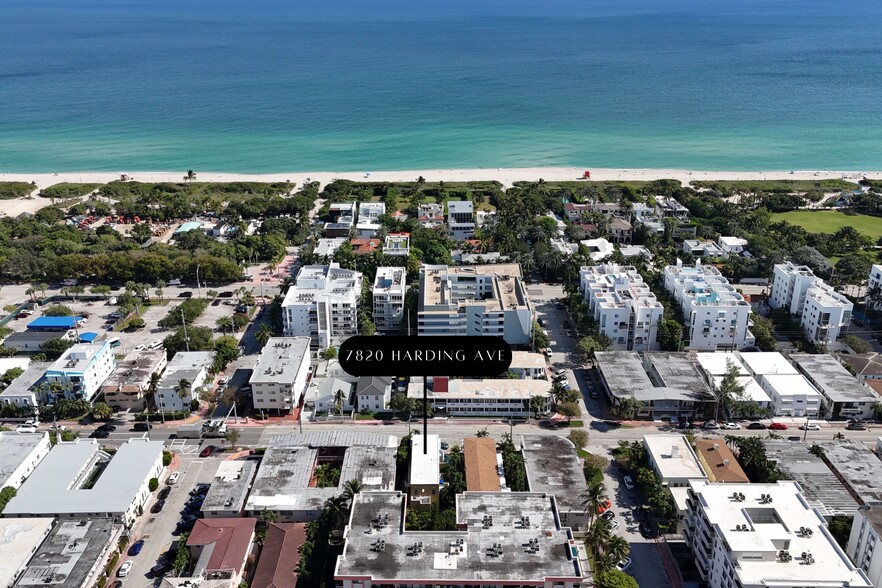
[480, 464]
[231, 539]
[280, 556]
[362, 246]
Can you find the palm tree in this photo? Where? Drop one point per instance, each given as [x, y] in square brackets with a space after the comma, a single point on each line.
[191, 176]
[153, 385]
[263, 334]
[183, 388]
[335, 510]
[43, 286]
[593, 499]
[350, 489]
[617, 548]
[598, 535]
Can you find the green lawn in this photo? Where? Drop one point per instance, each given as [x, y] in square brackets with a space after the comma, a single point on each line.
[830, 221]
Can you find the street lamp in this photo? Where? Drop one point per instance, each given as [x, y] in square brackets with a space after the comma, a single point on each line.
[198, 285]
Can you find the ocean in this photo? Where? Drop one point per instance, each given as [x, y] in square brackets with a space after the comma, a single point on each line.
[260, 86]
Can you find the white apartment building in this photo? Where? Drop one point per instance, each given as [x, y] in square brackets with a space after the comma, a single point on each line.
[673, 460]
[461, 219]
[390, 285]
[278, 382]
[323, 305]
[732, 245]
[792, 395]
[623, 306]
[762, 536]
[874, 283]
[708, 249]
[822, 311]
[866, 529]
[188, 366]
[397, 244]
[599, 248]
[503, 398]
[82, 369]
[717, 316]
[528, 365]
[475, 300]
[368, 224]
[20, 454]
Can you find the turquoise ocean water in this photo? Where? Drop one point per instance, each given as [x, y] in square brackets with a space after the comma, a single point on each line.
[310, 85]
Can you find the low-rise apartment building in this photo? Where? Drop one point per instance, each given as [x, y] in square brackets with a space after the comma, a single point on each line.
[368, 224]
[390, 286]
[127, 384]
[844, 395]
[397, 244]
[716, 315]
[279, 379]
[528, 365]
[707, 249]
[866, 530]
[82, 369]
[822, 311]
[672, 458]
[184, 376]
[424, 483]
[761, 535]
[475, 300]
[323, 305]
[874, 287]
[20, 454]
[501, 398]
[732, 245]
[623, 306]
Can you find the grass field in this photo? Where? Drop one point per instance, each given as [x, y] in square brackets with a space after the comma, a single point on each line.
[830, 221]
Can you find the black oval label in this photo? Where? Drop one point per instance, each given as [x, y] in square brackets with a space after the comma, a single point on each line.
[425, 356]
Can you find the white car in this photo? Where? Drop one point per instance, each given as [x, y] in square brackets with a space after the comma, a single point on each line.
[172, 479]
[26, 428]
[624, 565]
[810, 427]
[560, 373]
[156, 345]
[732, 426]
[613, 525]
[125, 568]
[140, 347]
[629, 483]
[548, 352]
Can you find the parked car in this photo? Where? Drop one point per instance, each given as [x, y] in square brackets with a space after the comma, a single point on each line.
[685, 425]
[614, 525]
[710, 425]
[186, 294]
[163, 494]
[225, 294]
[157, 506]
[160, 569]
[548, 352]
[648, 529]
[200, 488]
[107, 427]
[604, 506]
[172, 479]
[756, 426]
[778, 427]
[209, 449]
[445, 445]
[216, 302]
[593, 395]
[26, 428]
[99, 434]
[136, 547]
[124, 569]
[809, 427]
[624, 565]
[856, 427]
[629, 483]
[730, 426]
[156, 345]
[608, 515]
[640, 514]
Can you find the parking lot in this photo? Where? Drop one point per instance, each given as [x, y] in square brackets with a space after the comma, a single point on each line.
[157, 529]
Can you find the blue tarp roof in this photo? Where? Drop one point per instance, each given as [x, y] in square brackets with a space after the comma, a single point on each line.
[88, 337]
[53, 322]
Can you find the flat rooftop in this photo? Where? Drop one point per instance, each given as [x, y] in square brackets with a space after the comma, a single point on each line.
[858, 466]
[68, 554]
[22, 385]
[676, 378]
[56, 485]
[753, 392]
[390, 279]
[443, 286]
[553, 467]
[873, 514]
[770, 524]
[135, 369]
[77, 357]
[832, 379]
[486, 389]
[791, 385]
[15, 448]
[527, 360]
[425, 468]
[20, 539]
[717, 364]
[230, 486]
[674, 370]
[821, 488]
[374, 467]
[333, 438]
[762, 363]
[190, 360]
[510, 537]
[280, 360]
[674, 457]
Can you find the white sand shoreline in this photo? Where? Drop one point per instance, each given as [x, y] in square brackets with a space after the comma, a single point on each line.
[507, 176]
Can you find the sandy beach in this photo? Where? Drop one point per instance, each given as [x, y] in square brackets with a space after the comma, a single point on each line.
[507, 176]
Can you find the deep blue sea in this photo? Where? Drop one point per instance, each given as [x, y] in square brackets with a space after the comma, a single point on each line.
[311, 85]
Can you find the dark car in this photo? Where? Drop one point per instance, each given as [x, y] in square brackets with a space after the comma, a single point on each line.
[756, 426]
[106, 427]
[186, 294]
[608, 515]
[160, 568]
[136, 547]
[142, 427]
[99, 434]
[648, 530]
[163, 494]
[209, 449]
[685, 425]
[215, 302]
[640, 514]
[157, 506]
[200, 488]
[225, 294]
[856, 427]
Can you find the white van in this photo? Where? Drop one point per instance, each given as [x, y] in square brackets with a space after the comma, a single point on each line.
[114, 342]
[70, 282]
[175, 282]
